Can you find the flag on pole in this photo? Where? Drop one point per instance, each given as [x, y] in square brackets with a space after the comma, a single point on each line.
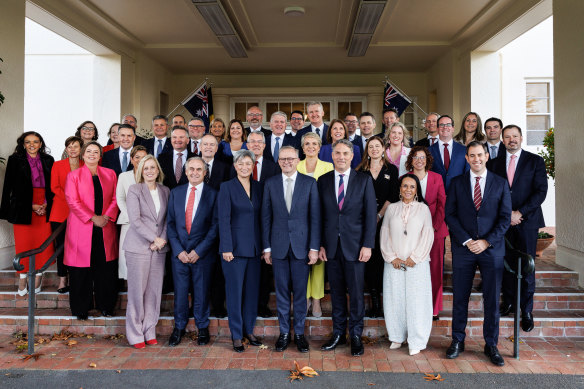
[200, 103]
[394, 99]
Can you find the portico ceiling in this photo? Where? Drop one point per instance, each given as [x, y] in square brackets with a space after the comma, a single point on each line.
[411, 35]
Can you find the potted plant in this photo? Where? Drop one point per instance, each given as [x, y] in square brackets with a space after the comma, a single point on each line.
[543, 241]
[548, 153]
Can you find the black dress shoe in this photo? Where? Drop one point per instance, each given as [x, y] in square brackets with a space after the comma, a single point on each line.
[82, 316]
[356, 346]
[203, 337]
[333, 342]
[253, 341]
[301, 343]
[219, 313]
[455, 349]
[527, 322]
[505, 309]
[63, 290]
[176, 337]
[283, 342]
[435, 318]
[264, 312]
[494, 356]
[107, 313]
[238, 349]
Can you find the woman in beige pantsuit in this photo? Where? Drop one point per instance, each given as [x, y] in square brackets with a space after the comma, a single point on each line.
[145, 247]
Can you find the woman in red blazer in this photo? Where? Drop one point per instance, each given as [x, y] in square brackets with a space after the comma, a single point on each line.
[60, 209]
[419, 163]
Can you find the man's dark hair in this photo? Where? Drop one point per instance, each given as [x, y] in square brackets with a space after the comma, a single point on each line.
[494, 120]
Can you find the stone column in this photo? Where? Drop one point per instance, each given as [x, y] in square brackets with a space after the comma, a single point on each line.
[375, 106]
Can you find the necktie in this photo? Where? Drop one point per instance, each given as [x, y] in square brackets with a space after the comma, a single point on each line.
[255, 171]
[493, 152]
[159, 149]
[318, 132]
[277, 149]
[511, 170]
[189, 211]
[446, 157]
[125, 161]
[207, 174]
[432, 141]
[288, 196]
[478, 199]
[195, 148]
[178, 167]
[341, 194]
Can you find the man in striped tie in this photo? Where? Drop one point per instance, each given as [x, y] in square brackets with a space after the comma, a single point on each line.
[478, 213]
[349, 219]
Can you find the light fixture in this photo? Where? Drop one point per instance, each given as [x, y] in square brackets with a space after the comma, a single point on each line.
[294, 11]
[214, 14]
[366, 22]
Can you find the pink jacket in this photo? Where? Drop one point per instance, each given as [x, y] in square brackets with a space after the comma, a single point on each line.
[80, 198]
[436, 199]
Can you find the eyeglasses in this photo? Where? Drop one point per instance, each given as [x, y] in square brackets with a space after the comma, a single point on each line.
[420, 158]
[87, 128]
[296, 119]
[255, 141]
[445, 125]
[255, 115]
[196, 126]
[287, 159]
[351, 121]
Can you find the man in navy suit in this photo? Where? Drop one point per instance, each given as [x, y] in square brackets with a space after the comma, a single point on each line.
[255, 118]
[431, 125]
[192, 233]
[131, 120]
[367, 126]
[526, 175]
[278, 138]
[296, 123]
[196, 129]
[264, 168]
[291, 240]
[449, 156]
[349, 218]
[317, 125]
[119, 159]
[352, 122]
[478, 212]
[173, 163]
[493, 127]
[388, 117]
[179, 120]
[160, 143]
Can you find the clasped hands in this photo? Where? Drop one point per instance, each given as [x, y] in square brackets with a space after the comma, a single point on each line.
[40, 209]
[100, 220]
[477, 246]
[516, 218]
[191, 257]
[158, 244]
[396, 263]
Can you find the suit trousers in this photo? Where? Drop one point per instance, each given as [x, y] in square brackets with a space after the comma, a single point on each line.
[242, 276]
[524, 240]
[265, 281]
[291, 275]
[346, 275]
[218, 285]
[145, 275]
[196, 277]
[463, 273]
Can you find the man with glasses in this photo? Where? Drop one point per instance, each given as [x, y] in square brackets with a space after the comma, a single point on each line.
[296, 122]
[431, 125]
[449, 156]
[352, 122]
[278, 137]
[291, 240]
[254, 118]
[119, 159]
[196, 132]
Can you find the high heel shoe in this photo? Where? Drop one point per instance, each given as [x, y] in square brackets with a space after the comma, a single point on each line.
[39, 278]
[139, 345]
[240, 348]
[316, 308]
[253, 341]
[395, 346]
[22, 292]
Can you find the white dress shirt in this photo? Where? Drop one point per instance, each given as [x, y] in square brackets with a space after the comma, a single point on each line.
[482, 183]
[197, 198]
[441, 147]
[158, 141]
[489, 146]
[508, 159]
[175, 156]
[121, 156]
[345, 182]
[285, 182]
[260, 162]
[198, 142]
[320, 128]
[430, 137]
[273, 144]
[365, 143]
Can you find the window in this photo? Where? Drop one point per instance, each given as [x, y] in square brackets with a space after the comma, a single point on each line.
[538, 108]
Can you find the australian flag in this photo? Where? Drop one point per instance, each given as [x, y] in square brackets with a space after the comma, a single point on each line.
[200, 103]
[394, 99]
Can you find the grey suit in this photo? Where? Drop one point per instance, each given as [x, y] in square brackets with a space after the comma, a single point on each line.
[145, 267]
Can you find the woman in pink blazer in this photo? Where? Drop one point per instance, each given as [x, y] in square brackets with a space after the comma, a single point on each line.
[91, 245]
[419, 163]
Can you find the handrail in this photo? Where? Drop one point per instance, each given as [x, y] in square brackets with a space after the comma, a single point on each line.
[32, 271]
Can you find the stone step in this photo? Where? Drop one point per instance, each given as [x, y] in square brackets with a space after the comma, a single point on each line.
[48, 321]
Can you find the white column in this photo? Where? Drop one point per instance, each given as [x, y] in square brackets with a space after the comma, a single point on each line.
[221, 107]
[375, 106]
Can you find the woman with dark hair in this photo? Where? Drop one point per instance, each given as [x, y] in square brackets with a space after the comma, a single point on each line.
[385, 178]
[60, 209]
[27, 201]
[87, 131]
[406, 239]
[234, 140]
[338, 130]
[91, 243]
[113, 141]
[471, 129]
[419, 163]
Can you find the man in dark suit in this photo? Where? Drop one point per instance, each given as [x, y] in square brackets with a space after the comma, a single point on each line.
[352, 122]
[179, 120]
[255, 118]
[131, 120]
[478, 212]
[388, 117]
[449, 156]
[278, 138]
[192, 233]
[119, 159]
[349, 218]
[317, 125]
[172, 163]
[264, 168]
[493, 127]
[160, 143]
[430, 124]
[367, 126]
[296, 123]
[291, 240]
[196, 132]
[526, 175]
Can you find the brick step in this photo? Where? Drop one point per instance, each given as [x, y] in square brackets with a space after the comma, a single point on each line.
[48, 321]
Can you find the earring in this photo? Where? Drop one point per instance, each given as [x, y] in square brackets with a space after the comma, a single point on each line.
[400, 197]
[416, 198]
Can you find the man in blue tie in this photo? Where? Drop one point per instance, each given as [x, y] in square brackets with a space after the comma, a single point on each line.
[493, 128]
[315, 113]
[160, 143]
[278, 137]
[291, 240]
[118, 159]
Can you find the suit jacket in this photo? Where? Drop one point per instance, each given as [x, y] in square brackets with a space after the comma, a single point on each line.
[288, 140]
[147, 225]
[125, 181]
[354, 225]
[239, 219]
[358, 141]
[299, 228]
[529, 187]
[436, 199]
[500, 150]
[17, 191]
[190, 148]
[111, 160]
[490, 222]
[219, 174]
[166, 163]
[60, 209]
[457, 165]
[269, 169]
[80, 198]
[267, 133]
[203, 236]
[152, 144]
[326, 154]
[309, 129]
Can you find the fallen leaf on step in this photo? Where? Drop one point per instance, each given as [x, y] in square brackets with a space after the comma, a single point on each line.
[92, 365]
[263, 347]
[432, 377]
[35, 356]
[71, 343]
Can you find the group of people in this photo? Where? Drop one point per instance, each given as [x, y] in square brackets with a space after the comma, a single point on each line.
[223, 213]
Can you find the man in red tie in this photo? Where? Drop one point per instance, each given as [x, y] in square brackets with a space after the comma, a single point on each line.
[196, 132]
[192, 234]
[449, 156]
